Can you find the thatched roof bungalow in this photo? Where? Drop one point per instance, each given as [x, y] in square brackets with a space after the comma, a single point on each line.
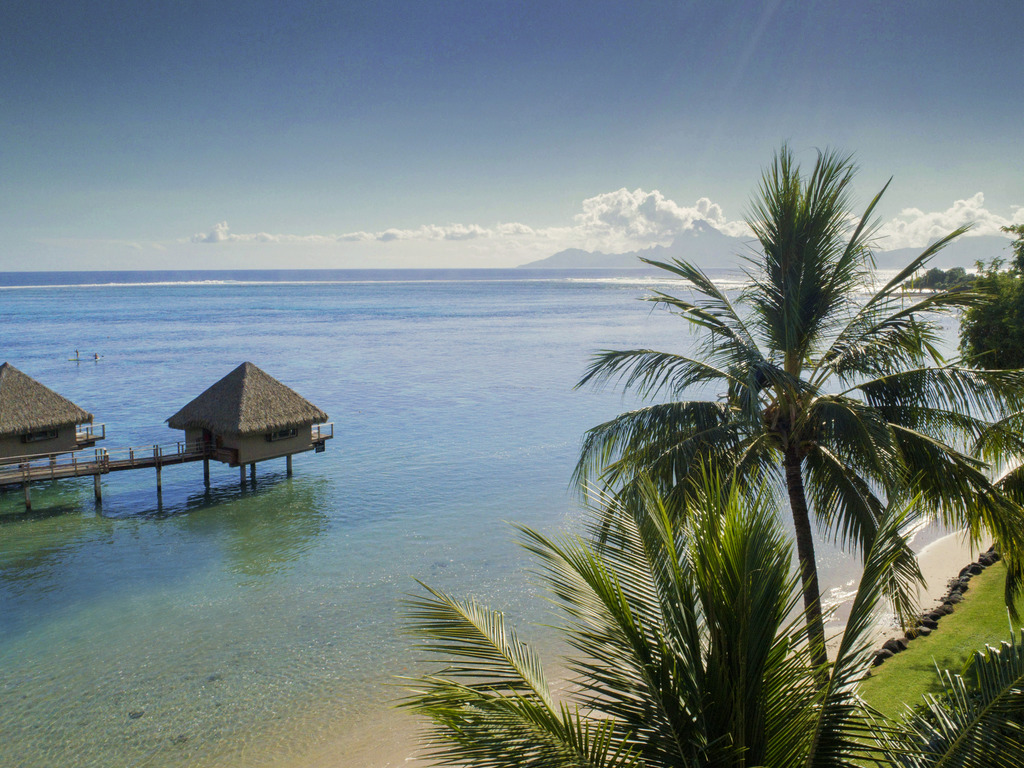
[35, 420]
[251, 416]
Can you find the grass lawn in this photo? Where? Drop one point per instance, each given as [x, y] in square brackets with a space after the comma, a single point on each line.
[979, 620]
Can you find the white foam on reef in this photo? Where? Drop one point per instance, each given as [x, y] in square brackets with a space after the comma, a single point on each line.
[639, 281]
[732, 281]
[119, 285]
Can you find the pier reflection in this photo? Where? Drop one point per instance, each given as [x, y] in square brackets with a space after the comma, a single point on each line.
[69, 555]
[265, 530]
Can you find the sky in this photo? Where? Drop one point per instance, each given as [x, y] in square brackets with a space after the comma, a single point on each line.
[190, 135]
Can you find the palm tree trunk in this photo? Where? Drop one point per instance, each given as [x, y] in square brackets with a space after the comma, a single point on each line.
[805, 554]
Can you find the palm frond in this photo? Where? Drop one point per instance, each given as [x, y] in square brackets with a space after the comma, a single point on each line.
[970, 391]
[806, 271]
[746, 589]
[972, 725]
[492, 697]
[651, 372]
[715, 313]
[886, 316]
[845, 732]
[855, 433]
[489, 654]
[661, 440]
[846, 509]
[469, 727]
[1002, 440]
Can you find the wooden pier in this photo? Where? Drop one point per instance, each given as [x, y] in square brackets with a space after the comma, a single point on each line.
[101, 461]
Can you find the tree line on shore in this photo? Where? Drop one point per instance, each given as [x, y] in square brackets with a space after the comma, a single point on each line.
[991, 333]
[679, 598]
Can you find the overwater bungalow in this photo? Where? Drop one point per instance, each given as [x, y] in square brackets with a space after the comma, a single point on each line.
[36, 421]
[249, 416]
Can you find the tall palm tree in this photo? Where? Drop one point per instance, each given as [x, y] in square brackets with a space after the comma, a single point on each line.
[839, 398]
[688, 655]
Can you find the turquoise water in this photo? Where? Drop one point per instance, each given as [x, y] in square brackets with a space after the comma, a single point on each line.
[250, 626]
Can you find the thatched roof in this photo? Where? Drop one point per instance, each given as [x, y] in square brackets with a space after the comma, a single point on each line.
[247, 401]
[28, 406]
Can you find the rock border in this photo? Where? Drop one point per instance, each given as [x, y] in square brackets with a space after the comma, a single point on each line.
[928, 621]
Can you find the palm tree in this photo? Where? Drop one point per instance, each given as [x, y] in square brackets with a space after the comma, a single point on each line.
[688, 655]
[842, 400]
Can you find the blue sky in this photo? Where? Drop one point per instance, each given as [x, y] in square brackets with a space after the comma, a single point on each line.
[346, 134]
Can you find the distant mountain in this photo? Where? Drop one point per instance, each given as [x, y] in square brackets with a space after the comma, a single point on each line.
[962, 252]
[702, 245]
[708, 248]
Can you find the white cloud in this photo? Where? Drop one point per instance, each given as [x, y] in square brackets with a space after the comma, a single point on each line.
[218, 234]
[221, 233]
[510, 230]
[914, 228]
[613, 221]
[639, 219]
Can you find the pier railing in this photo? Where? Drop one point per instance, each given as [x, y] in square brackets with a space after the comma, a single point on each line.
[87, 433]
[53, 466]
[100, 461]
[150, 455]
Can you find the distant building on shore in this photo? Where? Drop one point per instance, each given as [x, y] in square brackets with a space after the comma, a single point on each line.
[250, 416]
[36, 421]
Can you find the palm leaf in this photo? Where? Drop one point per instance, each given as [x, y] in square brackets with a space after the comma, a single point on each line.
[844, 732]
[650, 371]
[977, 725]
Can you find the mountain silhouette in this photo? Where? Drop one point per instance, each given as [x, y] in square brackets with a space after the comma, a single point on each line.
[708, 248]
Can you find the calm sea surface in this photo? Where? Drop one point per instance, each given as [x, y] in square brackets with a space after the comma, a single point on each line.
[252, 626]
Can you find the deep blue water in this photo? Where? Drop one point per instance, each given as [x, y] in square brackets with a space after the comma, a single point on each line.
[250, 626]
[234, 276]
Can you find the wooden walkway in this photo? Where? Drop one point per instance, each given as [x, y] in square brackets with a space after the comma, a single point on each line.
[100, 462]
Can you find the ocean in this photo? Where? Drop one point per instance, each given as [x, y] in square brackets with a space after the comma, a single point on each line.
[262, 625]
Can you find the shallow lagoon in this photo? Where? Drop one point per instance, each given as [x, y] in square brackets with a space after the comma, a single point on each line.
[254, 626]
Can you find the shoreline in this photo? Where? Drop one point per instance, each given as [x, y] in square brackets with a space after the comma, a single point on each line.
[940, 561]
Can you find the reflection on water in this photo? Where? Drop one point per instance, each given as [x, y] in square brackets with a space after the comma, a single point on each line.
[166, 662]
[262, 532]
[68, 555]
[243, 626]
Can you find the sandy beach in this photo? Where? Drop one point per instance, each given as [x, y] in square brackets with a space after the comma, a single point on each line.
[389, 739]
[940, 561]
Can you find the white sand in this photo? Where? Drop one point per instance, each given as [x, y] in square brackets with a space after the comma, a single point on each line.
[380, 739]
[388, 739]
[940, 561]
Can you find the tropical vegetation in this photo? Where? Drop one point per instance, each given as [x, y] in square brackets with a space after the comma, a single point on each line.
[1017, 246]
[825, 386]
[936, 279]
[992, 333]
[687, 653]
[980, 620]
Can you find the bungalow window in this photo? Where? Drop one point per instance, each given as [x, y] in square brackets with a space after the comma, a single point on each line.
[42, 434]
[282, 434]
